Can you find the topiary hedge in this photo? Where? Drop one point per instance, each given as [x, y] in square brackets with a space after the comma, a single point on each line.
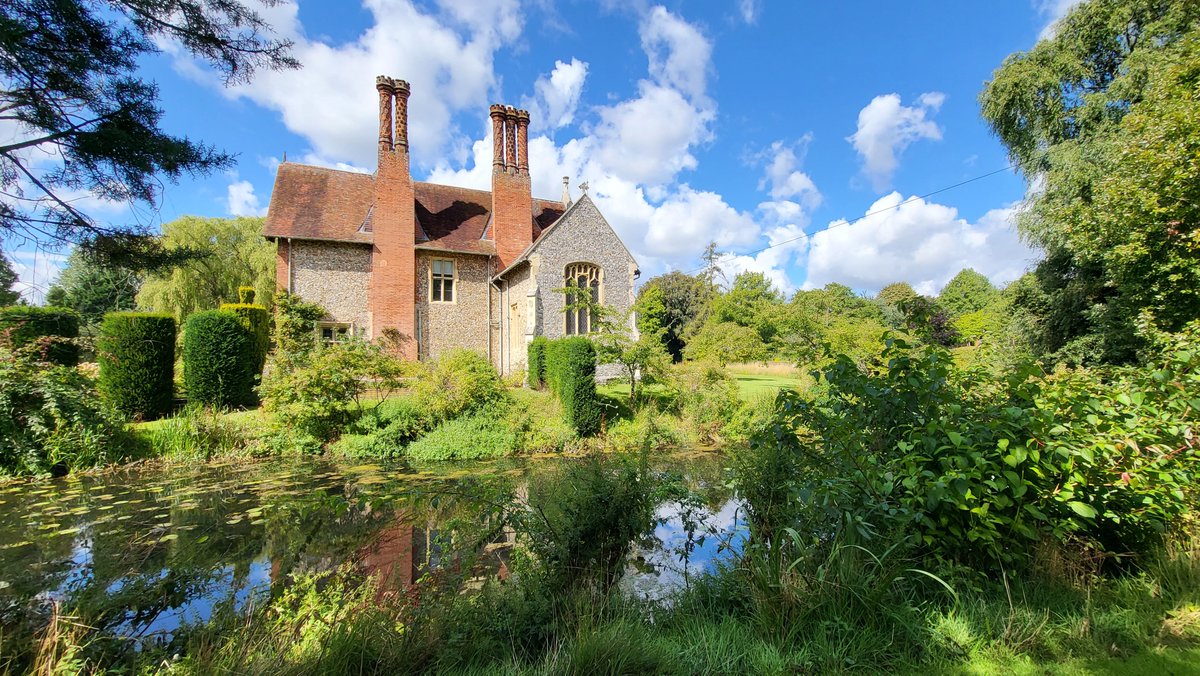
[571, 374]
[218, 359]
[136, 352]
[537, 363]
[257, 321]
[26, 325]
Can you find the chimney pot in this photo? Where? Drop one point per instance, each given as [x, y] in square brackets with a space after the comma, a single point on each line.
[510, 139]
[497, 114]
[401, 90]
[383, 84]
[523, 142]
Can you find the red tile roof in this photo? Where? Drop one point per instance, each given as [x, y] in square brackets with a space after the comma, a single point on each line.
[327, 204]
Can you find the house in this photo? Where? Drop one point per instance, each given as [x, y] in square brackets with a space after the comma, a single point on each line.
[447, 267]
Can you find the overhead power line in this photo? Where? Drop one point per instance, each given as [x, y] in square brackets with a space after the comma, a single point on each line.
[869, 213]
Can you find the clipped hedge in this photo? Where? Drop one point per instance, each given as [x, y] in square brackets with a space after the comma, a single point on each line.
[218, 360]
[537, 363]
[571, 374]
[257, 320]
[136, 353]
[26, 325]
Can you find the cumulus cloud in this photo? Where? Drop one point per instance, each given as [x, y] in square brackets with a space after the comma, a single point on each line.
[783, 177]
[919, 242]
[680, 55]
[556, 95]
[445, 52]
[241, 201]
[886, 128]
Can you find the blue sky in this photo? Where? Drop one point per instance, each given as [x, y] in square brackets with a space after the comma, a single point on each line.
[748, 123]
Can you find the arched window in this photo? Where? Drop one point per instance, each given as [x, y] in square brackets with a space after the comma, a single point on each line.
[581, 276]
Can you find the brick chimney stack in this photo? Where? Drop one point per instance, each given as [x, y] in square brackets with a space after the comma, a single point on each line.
[392, 295]
[512, 199]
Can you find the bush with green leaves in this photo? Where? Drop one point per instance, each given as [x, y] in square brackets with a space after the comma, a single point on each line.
[53, 329]
[136, 354]
[295, 323]
[704, 394]
[218, 360]
[967, 467]
[319, 393]
[51, 419]
[537, 362]
[477, 436]
[461, 381]
[257, 321]
[571, 374]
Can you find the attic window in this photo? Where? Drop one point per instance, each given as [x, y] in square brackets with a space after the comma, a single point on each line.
[580, 319]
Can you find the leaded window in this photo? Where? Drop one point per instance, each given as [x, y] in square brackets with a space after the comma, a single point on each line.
[441, 285]
[583, 284]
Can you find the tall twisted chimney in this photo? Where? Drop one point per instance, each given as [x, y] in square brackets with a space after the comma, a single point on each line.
[392, 293]
[512, 199]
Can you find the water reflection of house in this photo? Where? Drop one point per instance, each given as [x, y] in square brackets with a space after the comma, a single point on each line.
[408, 548]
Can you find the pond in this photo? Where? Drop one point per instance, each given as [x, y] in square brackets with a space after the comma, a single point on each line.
[151, 549]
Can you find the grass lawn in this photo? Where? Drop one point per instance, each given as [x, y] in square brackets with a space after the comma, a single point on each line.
[752, 386]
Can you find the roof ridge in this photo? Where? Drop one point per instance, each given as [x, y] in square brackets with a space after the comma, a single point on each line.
[319, 167]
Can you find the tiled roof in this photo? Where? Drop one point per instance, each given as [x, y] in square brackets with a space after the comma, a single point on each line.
[327, 204]
[319, 203]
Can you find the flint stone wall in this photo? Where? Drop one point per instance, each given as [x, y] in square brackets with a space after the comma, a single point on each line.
[336, 276]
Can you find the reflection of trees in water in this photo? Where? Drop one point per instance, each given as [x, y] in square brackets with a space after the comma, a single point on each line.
[155, 548]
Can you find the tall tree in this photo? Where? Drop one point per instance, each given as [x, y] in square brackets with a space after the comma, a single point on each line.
[712, 266]
[1102, 118]
[8, 278]
[232, 253]
[968, 291]
[69, 81]
[93, 287]
[684, 298]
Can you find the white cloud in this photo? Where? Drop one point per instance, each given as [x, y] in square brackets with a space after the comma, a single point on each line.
[886, 128]
[36, 269]
[919, 242]
[680, 56]
[241, 200]
[783, 176]
[1053, 11]
[556, 95]
[787, 245]
[445, 54]
[749, 10]
[648, 139]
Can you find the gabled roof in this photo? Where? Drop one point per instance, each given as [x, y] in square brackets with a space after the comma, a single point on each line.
[328, 204]
[562, 216]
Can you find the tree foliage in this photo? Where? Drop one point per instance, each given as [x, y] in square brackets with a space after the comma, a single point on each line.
[8, 278]
[231, 253]
[1102, 118]
[968, 291]
[684, 299]
[94, 287]
[69, 80]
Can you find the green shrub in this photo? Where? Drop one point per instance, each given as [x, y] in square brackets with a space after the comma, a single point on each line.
[295, 323]
[257, 322]
[478, 436]
[136, 352]
[246, 295]
[218, 360]
[705, 395]
[318, 393]
[977, 470]
[196, 433]
[50, 417]
[460, 382]
[54, 328]
[537, 362]
[571, 373]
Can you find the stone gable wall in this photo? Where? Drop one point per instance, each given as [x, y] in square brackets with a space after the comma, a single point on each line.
[336, 276]
[585, 237]
[463, 323]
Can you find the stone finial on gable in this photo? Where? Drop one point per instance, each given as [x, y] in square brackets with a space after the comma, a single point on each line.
[566, 198]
